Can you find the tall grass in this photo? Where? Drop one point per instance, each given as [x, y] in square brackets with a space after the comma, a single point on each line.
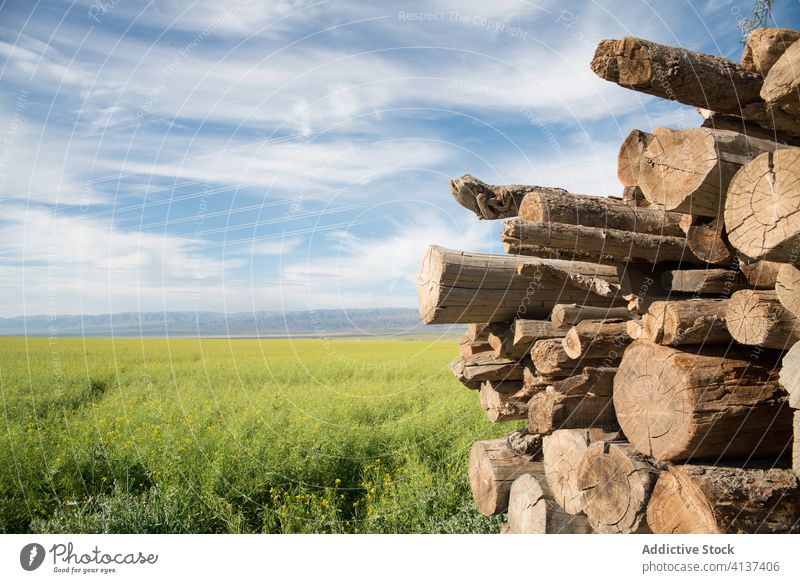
[164, 436]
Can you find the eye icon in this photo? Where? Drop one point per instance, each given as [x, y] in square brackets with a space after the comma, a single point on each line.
[31, 556]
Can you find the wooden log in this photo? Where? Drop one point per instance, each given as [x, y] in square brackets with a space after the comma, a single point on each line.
[782, 83]
[630, 155]
[634, 329]
[703, 281]
[695, 321]
[567, 315]
[505, 401]
[688, 171]
[490, 201]
[550, 359]
[688, 77]
[613, 242]
[761, 207]
[796, 445]
[532, 377]
[787, 286]
[765, 46]
[532, 510]
[457, 287]
[760, 274]
[616, 482]
[522, 334]
[486, 367]
[720, 121]
[546, 206]
[477, 332]
[596, 339]
[706, 403]
[563, 451]
[707, 241]
[550, 410]
[696, 499]
[467, 349]
[524, 443]
[457, 368]
[493, 467]
[633, 196]
[590, 380]
[516, 248]
[756, 317]
[790, 375]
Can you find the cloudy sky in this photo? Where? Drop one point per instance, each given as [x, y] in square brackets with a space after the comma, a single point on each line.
[291, 154]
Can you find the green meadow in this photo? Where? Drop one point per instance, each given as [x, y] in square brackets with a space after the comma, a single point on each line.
[215, 436]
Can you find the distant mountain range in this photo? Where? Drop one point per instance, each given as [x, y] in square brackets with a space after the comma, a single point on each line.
[313, 323]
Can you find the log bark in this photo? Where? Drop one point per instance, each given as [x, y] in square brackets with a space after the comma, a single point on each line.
[477, 332]
[532, 510]
[567, 315]
[679, 405]
[612, 242]
[550, 360]
[597, 339]
[708, 242]
[697, 79]
[457, 368]
[594, 211]
[551, 410]
[505, 401]
[761, 207]
[757, 318]
[563, 451]
[493, 467]
[457, 287]
[790, 375]
[526, 444]
[616, 482]
[486, 367]
[696, 321]
[490, 201]
[704, 281]
[688, 171]
[782, 84]
[765, 46]
[630, 156]
[696, 499]
[760, 274]
[523, 334]
[787, 286]
[720, 121]
[468, 349]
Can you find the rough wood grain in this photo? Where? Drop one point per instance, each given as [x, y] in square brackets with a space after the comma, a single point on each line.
[567, 315]
[523, 334]
[756, 317]
[790, 375]
[551, 409]
[616, 482]
[457, 368]
[550, 359]
[630, 156]
[485, 366]
[490, 201]
[782, 84]
[765, 46]
[532, 510]
[787, 286]
[506, 400]
[493, 467]
[712, 403]
[695, 499]
[760, 274]
[695, 321]
[761, 207]
[563, 452]
[596, 339]
[707, 241]
[703, 281]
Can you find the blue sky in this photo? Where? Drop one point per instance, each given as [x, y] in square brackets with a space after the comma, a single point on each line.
[294, 155]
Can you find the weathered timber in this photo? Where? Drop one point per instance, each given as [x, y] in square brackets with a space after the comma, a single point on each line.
[787, 286]
[551, 409]
[703, 281]
[630, 156]
[457, 287]
[695, 321]
[467, 349]
[486, 367]
[522, 334]
[493, 467]
[490, 201]
[707, 241]
[532, 510]
[594, 211]
[796, 445]
[790, 375]
[756, 317]
[524, 443]
[711, 402]
[505, 401]
[616, 482]
[567, 315]
[563, 451]
[696, 499]
[688, 171]
[765, 46]
[782, 84]
[612, 242]
[457, 368]
[761, 207]
[760, 274]
[550, 360]
[596, 339]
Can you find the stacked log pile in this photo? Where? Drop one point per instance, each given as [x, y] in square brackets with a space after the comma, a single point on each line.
[649, 342]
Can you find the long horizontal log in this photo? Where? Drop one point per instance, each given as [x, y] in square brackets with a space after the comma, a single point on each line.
[567, 315]
[695, 321]
[596, 339]
[457, 368]
[621, 244]
[689, 77]
[491, 201]
[486, 367]
[703, 281]
[522, 334]
[702, 404]
[695, 499]
[688, 171]
[761, 207]
[550, 410]
[551, 360]
[761, 274]
[546, 206]
[458, 287]
[756, 317]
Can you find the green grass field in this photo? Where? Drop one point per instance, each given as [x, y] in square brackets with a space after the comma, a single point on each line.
[130, 435]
